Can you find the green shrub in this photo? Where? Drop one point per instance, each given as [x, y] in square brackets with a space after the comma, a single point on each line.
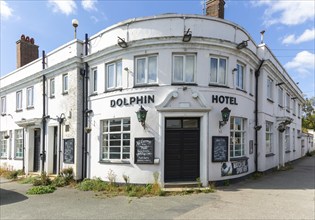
[28, 180]
[59, 182]
[11, 174]
[92, 185]
[67, 174]
[40, 190]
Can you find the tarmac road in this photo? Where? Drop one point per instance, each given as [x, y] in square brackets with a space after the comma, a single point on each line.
[280, 195]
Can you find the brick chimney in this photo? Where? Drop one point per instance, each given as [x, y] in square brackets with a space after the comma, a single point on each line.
[26, 51]
[215, 8]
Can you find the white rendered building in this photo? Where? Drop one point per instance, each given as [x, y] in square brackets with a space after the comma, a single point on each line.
[183, 71]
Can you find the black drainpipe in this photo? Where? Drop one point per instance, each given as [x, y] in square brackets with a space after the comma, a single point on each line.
[257, 73]
[85, 107]
[23, 168]
[43, 155]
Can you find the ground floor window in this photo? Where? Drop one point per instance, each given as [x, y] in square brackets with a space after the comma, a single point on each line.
[115, 138]
[287, 139]
[237, 137]
[269, 138]
[18, 143]
[3, 144]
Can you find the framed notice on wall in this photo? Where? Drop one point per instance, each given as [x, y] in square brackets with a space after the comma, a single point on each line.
[68, 150]
[220, 148]
[144, 150]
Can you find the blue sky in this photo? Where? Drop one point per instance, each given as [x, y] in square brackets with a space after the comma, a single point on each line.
[289, 26]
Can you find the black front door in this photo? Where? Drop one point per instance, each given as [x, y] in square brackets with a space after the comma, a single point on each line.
[55, 151]
[182, 149]
[36, 166]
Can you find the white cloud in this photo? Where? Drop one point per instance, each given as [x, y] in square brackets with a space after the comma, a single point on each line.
[89, 5]
[65, 6]
[308, 35]
[5, 10]
[287, 12]
[303, 63]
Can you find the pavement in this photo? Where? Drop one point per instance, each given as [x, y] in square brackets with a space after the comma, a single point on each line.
[286, 194]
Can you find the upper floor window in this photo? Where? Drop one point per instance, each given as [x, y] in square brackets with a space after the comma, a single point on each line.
[294, 106]
[280, 97]
[218, 70]
[65, 84]
[240, 76]
[251, 81]
[3, 105]
[287, 102]
[146, 70]
[269, 88]
[237, 137]
[93, 80]
[19, 100]
[114, 75]
[299, 110]
[184, 68]
[269, 137]
[30, 97]
[52, 87]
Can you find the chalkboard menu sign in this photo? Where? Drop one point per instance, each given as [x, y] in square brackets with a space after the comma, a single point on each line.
[144, 150]
[219, 149]
[68, 150]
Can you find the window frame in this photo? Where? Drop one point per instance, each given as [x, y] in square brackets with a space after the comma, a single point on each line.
[280, 97]
[287, 139]
[251, 81]
[52, 88]
[18, 144]
[237, 78]
[65, 84]
[115, 76]
[19, 100]
[269, 136]
[30, 97]
[93, 80]
[3, 105]
[218, 70]
[105, 144]
[3, 145]
[184, 56]
[146, 70]
[269, 88]
[287, 102]
[242, 137]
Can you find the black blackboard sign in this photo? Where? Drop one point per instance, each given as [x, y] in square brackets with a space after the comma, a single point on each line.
[144, 150]
[219, 148]
[68, 150]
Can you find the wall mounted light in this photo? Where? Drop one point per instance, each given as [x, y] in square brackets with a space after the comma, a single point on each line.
[257, 127]
[242, 45]
[294, 98]
[88, 111]
[234, 70]
[142, 115]
[187, 35]
[122, 43]
[225, 116]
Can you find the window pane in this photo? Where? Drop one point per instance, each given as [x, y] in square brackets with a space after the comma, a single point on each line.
[94, 80]
[110, 76]
[190, 123]
[119, 74]
[141, 70]
[190, 67]
[222, 72]
[173, 123]
[178, 69]
[213, 70]
[152, 72]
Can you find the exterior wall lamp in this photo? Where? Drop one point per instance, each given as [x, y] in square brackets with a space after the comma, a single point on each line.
[187, 35]
[225, 116]
[242, 45]
[122, 43]
[142, 115]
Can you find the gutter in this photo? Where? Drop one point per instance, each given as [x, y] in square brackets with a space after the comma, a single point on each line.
[43, 154]
[257, 73]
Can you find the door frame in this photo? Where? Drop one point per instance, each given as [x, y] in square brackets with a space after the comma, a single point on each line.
[203, 115]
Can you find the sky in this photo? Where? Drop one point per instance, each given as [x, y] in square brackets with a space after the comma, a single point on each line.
[289, 26]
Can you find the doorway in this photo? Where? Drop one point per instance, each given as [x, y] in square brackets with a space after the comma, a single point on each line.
[281, 153]
[55, 143]
[36, 165]
[182, 149]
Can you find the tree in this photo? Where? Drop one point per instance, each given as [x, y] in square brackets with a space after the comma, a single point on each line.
[308, 119]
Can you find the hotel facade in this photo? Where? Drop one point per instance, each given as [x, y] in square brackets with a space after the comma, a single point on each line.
[185, 96]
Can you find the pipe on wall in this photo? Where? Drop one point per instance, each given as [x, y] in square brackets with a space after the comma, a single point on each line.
[257, 73]
[43, 155]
